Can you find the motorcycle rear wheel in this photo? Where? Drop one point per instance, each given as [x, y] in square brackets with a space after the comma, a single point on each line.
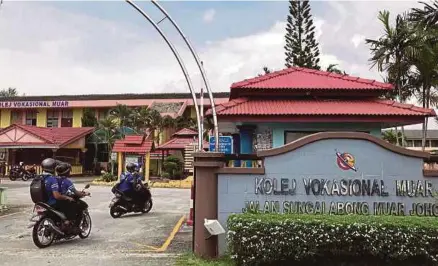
[114, 212]
[12, 177]
[36, 230]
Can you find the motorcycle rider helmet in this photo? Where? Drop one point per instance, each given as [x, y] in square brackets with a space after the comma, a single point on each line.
[63, 169]
[48, 165]
[130, 167]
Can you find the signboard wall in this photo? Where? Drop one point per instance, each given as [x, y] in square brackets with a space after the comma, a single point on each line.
[332, 176]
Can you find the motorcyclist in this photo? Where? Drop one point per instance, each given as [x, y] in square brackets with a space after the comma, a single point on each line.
[51, 183]
[128, 180]
[68, 189]
[140, 193]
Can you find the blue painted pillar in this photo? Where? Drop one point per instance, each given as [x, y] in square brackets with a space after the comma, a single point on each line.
[246, 136]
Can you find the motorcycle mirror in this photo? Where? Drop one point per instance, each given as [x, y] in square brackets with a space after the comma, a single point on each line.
[87, 186]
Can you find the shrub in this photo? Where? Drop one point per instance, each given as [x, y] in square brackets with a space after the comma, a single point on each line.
[172, 168]
[108, 177]
[276, 239]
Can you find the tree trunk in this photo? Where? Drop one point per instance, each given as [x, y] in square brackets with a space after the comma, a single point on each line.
[426, 93]
[397, 141]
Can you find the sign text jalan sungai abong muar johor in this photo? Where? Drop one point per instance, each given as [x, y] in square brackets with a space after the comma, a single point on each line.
[346, 188]
[33, 104]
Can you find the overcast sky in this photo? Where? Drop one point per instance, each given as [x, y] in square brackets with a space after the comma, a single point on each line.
[106, 47]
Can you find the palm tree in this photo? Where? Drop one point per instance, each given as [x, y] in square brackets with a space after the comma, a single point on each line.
[428, 16]
[123, 114]
[389, 53]
[423, 59]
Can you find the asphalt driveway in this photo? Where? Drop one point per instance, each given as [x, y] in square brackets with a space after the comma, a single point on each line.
[130, 240]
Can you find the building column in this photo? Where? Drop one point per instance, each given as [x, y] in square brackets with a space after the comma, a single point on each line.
[205, 206]
[147, 166]
[120, 164]
[41, 117]
[246, 137]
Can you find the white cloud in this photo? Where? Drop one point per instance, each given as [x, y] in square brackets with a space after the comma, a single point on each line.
[357, 39]
[44, 50]
[209, 15]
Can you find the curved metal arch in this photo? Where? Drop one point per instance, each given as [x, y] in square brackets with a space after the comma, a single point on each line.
[201, 69]
[181, 64]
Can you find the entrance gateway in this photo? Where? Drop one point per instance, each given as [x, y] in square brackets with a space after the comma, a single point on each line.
[333, 173]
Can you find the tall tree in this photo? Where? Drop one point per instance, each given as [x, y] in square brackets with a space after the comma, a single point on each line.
[389, 54]
[89, 118]
[9, 92]
[301, 47]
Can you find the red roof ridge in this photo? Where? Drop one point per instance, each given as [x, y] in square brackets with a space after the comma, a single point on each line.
[224, 106]
[408, 106]
[277, 73]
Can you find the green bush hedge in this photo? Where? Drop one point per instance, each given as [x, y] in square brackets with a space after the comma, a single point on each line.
[276, 239]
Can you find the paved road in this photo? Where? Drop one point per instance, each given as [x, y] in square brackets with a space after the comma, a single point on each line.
[120, 241]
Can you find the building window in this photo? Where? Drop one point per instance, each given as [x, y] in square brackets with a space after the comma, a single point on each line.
[434, 143]
[66, 118]
[16, 117]
[31, 118]
[52, 118]
[417, 143]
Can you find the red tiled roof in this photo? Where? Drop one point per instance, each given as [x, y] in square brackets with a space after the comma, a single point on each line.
[59, 136]
[133, 139]
[133, 144]
[178, 144]
[257, 107]
[186, 132]
[304, 79]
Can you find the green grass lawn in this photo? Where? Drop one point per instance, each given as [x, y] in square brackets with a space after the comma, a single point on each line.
[190, 259]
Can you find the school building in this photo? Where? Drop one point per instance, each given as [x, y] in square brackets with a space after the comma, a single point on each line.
[272, 110]
[36, 127]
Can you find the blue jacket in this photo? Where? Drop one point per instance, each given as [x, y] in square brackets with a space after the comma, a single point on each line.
[127, 181]
[51, 185]
[66, 186]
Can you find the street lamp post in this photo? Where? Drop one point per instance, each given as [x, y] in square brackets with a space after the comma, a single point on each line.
[183, 68]
[201, 69]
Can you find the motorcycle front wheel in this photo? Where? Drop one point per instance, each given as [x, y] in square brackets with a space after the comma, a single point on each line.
[42, 229]
[115, 212]
[85, 226]
[147, 206]
[12, 177]
[24, 177]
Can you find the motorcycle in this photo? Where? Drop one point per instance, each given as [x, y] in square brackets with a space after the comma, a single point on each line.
[121, 204]
[15, 172]
[47, 222]
[28, 173]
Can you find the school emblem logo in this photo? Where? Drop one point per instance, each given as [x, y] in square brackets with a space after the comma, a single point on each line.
[346, 161]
